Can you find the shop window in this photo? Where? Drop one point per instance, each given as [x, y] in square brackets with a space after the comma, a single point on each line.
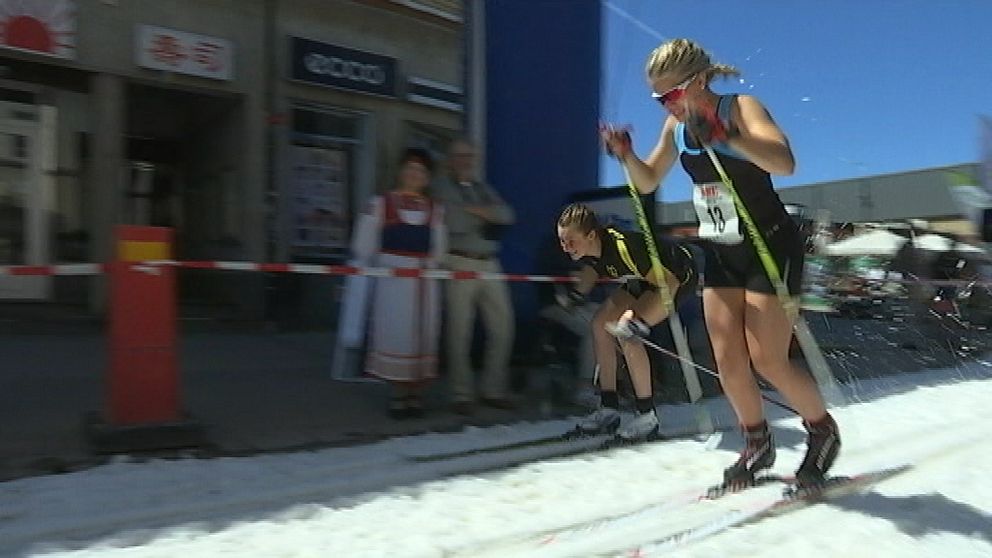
[321, 167]
[324, 124]
[434, 140]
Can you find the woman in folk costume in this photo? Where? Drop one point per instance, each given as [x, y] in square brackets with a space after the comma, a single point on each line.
[404, 228]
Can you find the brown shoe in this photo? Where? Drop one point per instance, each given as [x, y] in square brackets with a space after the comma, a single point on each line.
[415, 406]
[498, 403]
[463, 408]
[398, 408]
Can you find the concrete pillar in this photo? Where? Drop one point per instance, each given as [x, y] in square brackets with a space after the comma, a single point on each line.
[107, 98]
[251, 122]
[252, 170]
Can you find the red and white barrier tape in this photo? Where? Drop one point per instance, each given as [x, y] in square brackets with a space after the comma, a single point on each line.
[59, 269]
[310, 269]
[343, 270]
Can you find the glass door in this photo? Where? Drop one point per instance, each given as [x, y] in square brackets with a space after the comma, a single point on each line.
[27, 164]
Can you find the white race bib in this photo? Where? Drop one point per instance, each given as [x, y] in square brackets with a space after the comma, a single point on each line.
[717, 213]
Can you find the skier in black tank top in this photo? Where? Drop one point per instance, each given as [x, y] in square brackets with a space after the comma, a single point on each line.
[746, 320]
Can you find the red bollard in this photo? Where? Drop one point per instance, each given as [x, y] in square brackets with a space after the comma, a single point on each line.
[144, 380]
[143, 409]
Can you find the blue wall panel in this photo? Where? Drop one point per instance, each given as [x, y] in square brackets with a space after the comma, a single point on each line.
[542, 101]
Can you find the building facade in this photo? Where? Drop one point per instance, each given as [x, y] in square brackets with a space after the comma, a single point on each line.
[354, 84]
[256, 128]
[922, 195]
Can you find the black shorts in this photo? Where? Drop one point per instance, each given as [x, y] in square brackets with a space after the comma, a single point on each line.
[738, 265]
[677, 258]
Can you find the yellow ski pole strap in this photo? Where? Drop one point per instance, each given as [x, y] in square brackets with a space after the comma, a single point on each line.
[642, 222]
[764, 254]
[814, 356]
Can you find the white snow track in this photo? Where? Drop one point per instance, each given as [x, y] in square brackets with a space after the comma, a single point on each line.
[345, 502]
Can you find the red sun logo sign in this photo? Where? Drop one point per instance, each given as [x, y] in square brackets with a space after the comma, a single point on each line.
[43, 26]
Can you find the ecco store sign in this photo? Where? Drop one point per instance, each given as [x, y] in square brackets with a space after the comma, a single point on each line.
[344, 68]
[338, 68]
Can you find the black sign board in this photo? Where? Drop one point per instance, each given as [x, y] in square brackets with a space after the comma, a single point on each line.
[344, 68]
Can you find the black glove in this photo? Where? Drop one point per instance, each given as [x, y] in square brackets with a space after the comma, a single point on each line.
[629, 328]
[987, 225]
[617, 141]
[707, 128]
[569, 297]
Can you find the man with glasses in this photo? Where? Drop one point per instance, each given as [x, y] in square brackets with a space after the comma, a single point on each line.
[475, 215]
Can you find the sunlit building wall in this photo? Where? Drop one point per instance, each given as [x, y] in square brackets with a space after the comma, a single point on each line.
[919, 195]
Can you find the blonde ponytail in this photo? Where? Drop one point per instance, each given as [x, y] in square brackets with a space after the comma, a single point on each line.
[683, 57]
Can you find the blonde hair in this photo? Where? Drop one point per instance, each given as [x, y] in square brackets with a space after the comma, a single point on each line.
[684, 57]
[579, 216]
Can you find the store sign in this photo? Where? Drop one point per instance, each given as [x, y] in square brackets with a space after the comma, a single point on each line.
[39, 26]
[435, 94]
[344, 68]
[159, 48]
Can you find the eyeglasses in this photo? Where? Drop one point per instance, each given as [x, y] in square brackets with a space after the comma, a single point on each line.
[675, 93]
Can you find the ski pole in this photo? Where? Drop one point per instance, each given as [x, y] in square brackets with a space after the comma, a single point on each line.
[662, 350]
[693, 387]
[814, 356]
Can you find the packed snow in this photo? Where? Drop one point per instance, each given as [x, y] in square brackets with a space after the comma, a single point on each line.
[375, 501]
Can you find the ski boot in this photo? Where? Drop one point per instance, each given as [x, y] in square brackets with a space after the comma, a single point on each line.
[604, 420]
[586, 397]
[758, 454]
[822, 446]
[643, 428]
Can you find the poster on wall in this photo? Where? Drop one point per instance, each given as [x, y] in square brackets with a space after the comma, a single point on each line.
[319, 179]
[39, 26]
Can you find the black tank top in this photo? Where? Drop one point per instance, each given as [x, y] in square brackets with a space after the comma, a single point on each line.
[753, 184]
[624, 253]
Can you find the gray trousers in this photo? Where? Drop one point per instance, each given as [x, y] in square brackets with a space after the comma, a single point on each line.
[579, 322]
[492, 301]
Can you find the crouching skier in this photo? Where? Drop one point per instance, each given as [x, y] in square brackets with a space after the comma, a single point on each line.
[628, 314]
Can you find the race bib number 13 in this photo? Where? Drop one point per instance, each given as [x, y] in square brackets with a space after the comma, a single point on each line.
[717, 214]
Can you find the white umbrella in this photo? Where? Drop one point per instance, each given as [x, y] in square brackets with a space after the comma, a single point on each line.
[878, 242]
[933, 242]
[962, 247]
[938, 243]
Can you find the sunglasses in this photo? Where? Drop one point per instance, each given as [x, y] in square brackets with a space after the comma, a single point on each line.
[673, 94]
